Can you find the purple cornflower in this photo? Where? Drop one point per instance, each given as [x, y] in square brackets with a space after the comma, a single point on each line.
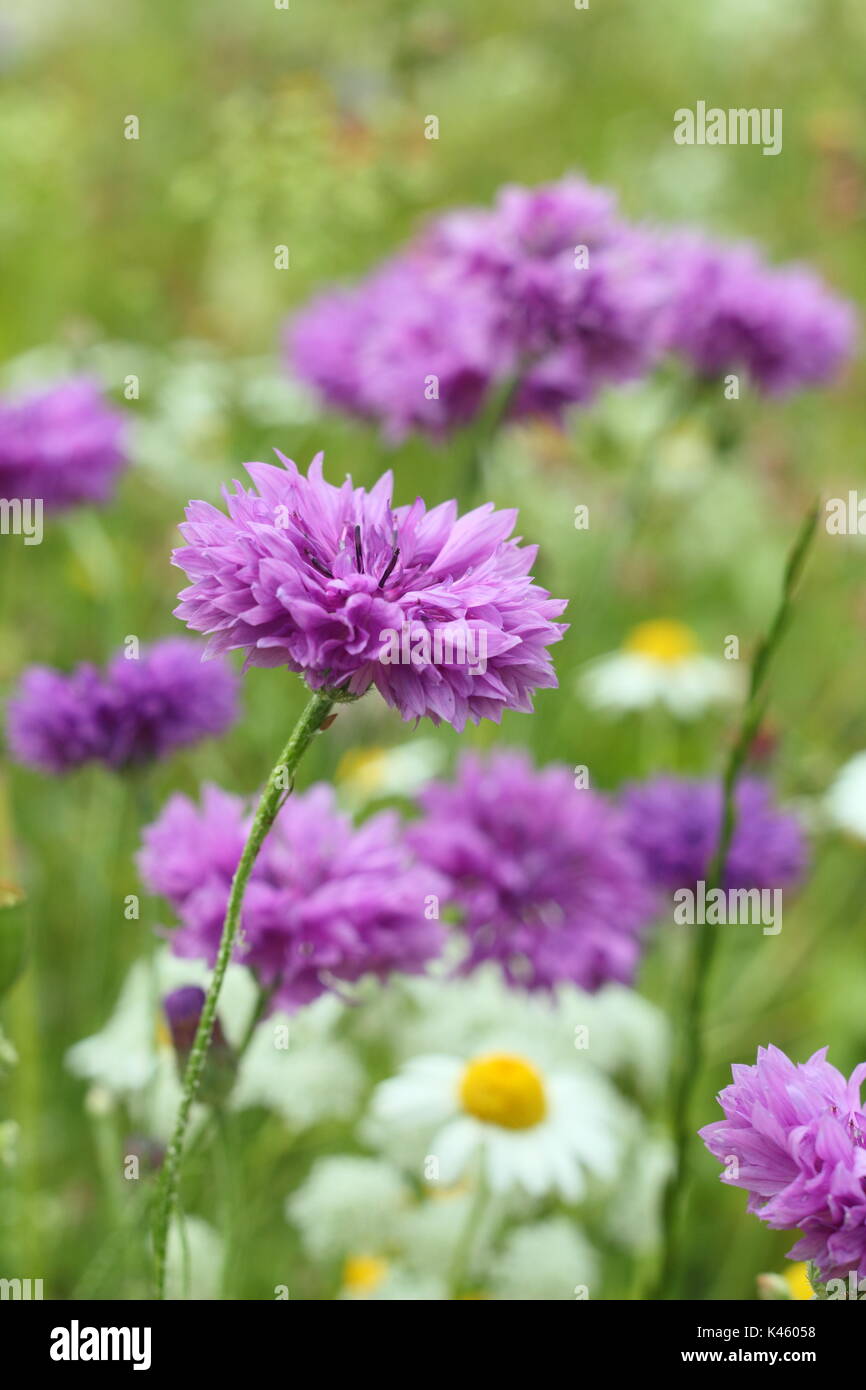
[540, 872]
[794, 1137]
[439, 613]
[327, 902]
[730, 311]
[62, 444]
[674, 823]
[548, 286]
[183, 1010]
[136, 711]
[404, 347]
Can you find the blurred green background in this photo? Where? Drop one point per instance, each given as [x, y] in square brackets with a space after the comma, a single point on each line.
[304, 127]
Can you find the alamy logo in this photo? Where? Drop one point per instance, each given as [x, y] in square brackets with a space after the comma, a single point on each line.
[451, 644]
[22, 516]
[22, 1289]
[720, 907]
[854, 1290]
[76, 1343]
[736, 126]
[846, 516]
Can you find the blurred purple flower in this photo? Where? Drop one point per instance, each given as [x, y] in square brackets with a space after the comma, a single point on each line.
[730, 311]
[798, 1136]
[552, 290]
[327, 902]
[62, 444]
[548, 285]
[183, 1010]
[674, 824]
[311, 576]
[540, 872]
[136, 711]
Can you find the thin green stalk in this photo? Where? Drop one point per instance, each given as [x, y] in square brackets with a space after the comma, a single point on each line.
[263, 999]
[485, 429]
[463, 1250]
[313, 717]
[691, 1051]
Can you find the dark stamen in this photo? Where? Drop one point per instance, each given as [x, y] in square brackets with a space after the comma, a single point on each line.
[359, 558]
[317, 565]
[391, 563]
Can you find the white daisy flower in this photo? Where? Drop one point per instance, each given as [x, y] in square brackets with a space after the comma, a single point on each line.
[616, 1030]
[295, 1067]
[634, 1214]
[382, 1280]
[660, 663]
[549, 1260]
[434, 1227]
[845, 802]
[194, 1260]
[348, 1205]
[532, 1130]
[132, 1057]
[369, 774]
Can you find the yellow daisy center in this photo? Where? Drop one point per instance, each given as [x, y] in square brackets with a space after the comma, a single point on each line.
[662, 639]
[501, 1089]
[797, 1279]
[364, 1273]
[363, 769]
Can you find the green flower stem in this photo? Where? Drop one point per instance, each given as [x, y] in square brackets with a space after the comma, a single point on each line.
[463, 1250]
[484, 430]
[314, 715]
[689, 1063]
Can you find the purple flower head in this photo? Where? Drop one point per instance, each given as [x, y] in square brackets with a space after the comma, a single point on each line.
[183, 1009]
[440, 613]
[63, 445]
[540, 872]
[730, 311]
[798, 1136]
[401, 348]
[53, 718]
[674, 823]
[327, 902]
[548, 285]
[135, 712]
[166, 699]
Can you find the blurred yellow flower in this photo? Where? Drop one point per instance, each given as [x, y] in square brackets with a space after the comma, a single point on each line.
[364, 1274]
[659, 663]
[662, 639]
[501, 1089]
[797, 1279]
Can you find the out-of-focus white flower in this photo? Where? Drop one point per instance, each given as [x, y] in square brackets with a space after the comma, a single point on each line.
[132, 1057]
[634, 1213]
[549, 1260]
[845, 802]
[623, 1034]
[369, 774]
[194, 1260]
[348, 1206]
[616, 1030]
[382, 1280]
[294, 1067]
[530, 1129]
[661, 663]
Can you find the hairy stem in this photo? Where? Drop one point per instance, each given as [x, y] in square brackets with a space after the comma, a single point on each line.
[278, 786]
[689, 1063]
